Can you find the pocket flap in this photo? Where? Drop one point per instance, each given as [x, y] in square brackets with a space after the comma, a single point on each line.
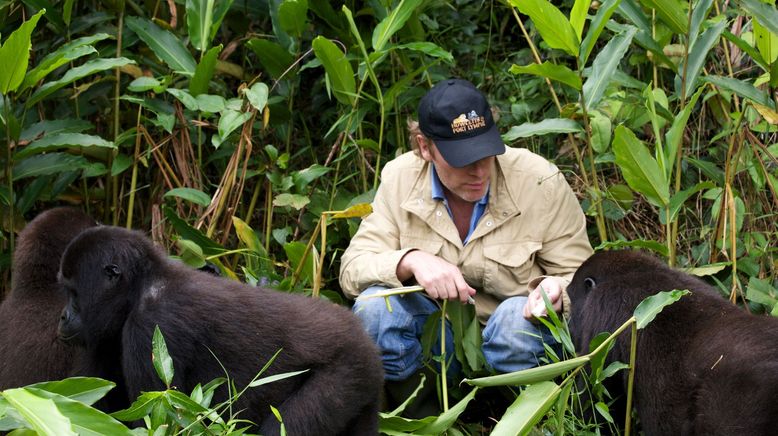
[512, 254]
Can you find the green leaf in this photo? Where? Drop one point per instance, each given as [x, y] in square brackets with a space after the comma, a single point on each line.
[530, 376]
[63, 55]
[84, 389]
[671, 12]
[53, 127]
[530, 406]
[602, 17]
[654, 246]
[163, 363]
[578, 16]
[292, 200]
[679, 198]
[707, 270]
[189, 101]
[143, 84]
[204, 72]
[164, 44]
[338, 69]
[447, 418]
[766, 42]
[15, 53]
[305, 176]
[551, 125]
[699, 14]
[190, 194]
[274, 58]
[248, 236]
[550, 70]
[63, 140]
[141, 407]
[87, 69]
[40, 413]
[747, 48]
[49, 163]
[84, 420]
[552, 25]
[293, 16]
[601, 127]
[186, 231]
[231, 120]
[674, 135]
[699, 53]
[393, 23]
[275, 377]
[640, 169]
[765, 13]
[633, 13]
[741, 88]
[294, 252]
[203, 18]
[605, 66]
[257, 95]
[191, 253]
[429, 49]
[649, 308]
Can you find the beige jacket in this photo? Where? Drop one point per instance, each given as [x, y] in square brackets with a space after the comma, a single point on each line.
[533, 226]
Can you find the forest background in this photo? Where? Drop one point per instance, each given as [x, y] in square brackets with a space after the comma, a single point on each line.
[251, 134]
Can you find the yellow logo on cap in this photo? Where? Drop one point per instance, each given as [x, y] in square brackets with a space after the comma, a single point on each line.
[465, 123]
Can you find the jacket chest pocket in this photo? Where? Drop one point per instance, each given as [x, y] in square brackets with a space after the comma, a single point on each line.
[508, 266]
[429, 245]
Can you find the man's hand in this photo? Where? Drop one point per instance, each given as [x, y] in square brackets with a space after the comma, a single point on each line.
[440, 279]
[536, 307]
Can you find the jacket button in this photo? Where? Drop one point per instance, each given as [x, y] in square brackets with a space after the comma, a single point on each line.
[488, 224]
[438, 213]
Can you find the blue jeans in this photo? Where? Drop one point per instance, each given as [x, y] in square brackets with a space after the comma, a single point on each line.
[510, 342]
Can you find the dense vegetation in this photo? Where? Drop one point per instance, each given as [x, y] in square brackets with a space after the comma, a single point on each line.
[251, 134]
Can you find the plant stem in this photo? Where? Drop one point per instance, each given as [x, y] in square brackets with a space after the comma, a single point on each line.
[631, 378]
[443, 363]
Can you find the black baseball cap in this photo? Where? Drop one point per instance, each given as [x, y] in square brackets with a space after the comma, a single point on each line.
[456, 115]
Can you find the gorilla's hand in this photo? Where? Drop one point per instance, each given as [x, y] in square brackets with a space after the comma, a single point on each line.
[536, 307]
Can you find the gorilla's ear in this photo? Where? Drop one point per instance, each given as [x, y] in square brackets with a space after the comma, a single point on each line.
[112, 271]
[590, 284]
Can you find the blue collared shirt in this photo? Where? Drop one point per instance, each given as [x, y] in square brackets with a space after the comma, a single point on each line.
[478, 208]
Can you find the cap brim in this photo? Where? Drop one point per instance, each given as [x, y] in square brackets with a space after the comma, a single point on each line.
[462, 152]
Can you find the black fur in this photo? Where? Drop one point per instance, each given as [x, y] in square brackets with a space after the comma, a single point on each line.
[703, 366]
[29, 349]
[121, 286]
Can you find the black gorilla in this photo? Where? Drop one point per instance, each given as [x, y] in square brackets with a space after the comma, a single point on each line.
[120, 286]
[703, 366]
[29, 349]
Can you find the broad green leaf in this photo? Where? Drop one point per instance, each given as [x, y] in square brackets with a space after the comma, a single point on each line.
[747, 48]
[649, 308]
[741, 88]
[191, 253]
[766, 42]
[163, 363]
[52, 127]
[84, 420]
[190, 194]
[274, 58]
[164, 110]
[189, 101]
[447, 418]
[699, 13]
[203, 18]
[141, 407]
[393, 22]
[634, 15]
[578, 16]
[40, 413]
[338, 69]
[530, 376]
[164, 44]
[144, 83]
[355, 211]
[602, 17]
[184, 230]
[73, 74]
[550, 70]
[292, 200]
[292, 16]
[552, 25]
[428, 48]
[699, 53]
[671, 12]
[49, 163]
[248, 236]
[305, 176]
[654, 246]
[639, 168]
[530, 406]
[294, 252]
[674, 135]
[761, 291]
[680, 197]
[210, 103]
[204, 72]
[707, 270]
[84, 389]
[601, 127]
[231, 120]
[765, 13]
[550, 125]
[67, 53]
[63, 140]
[257, 95]
[605, 66]
[15, 53]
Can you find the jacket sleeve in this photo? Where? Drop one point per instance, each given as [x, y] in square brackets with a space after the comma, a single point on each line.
[566, 244]
[374, 252]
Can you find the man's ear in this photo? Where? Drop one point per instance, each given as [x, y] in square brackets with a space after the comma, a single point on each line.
[425, 147]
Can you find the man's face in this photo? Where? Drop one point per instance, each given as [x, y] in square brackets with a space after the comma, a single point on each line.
[468, 183]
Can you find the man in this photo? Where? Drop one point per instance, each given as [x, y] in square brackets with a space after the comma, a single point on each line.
[465, 218]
